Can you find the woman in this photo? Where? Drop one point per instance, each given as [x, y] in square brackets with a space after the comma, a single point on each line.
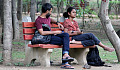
[78, 37]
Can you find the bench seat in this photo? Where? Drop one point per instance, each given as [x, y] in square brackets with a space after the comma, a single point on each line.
[55, 46]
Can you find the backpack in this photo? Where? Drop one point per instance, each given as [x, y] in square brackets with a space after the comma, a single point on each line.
[93, 57]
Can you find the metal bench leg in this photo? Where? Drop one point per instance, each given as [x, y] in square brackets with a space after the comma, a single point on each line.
[79, 54]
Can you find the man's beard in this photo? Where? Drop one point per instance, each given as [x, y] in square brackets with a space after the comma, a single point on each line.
[48, 15]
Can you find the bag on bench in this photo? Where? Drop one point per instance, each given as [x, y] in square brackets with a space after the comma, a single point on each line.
[41, 39]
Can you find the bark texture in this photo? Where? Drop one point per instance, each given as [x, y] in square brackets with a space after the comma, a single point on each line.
[7, 37]
[16, 32]
[19, 10]
[109, 30]
[33, 10]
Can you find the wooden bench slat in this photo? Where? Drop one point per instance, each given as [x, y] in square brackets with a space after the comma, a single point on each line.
[28, 24]
[28, 37]
[28, 31]
[54, 25]
[55, 46]
[32, 24]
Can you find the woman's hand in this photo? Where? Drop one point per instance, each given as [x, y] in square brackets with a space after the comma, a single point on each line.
[79, 32]
[60, 26]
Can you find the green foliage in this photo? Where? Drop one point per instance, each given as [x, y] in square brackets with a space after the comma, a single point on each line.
[28, 65]
[58, 56]
[1, 59]
[114, 2]
[53, 2]
[19, 64]
[18, 55]
[19, 43]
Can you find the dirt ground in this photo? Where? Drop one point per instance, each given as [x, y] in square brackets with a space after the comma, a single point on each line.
[77, 67]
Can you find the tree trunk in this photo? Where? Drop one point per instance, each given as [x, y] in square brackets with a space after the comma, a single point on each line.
[0, 10]
[7, 41]
[15, 21]
[119, 8]
[45, 1]
[19, 10]
[109, 9]
[33, 10]
[28, 6]
[109, 30]
[2, 19]
[98, 3]
[62, 6]
[58, 10]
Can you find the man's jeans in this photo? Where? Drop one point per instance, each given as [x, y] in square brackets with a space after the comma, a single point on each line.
[61, 39]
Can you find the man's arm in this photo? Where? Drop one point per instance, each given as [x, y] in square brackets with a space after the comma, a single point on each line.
[53, 21]
[48, 32]
[58, 23]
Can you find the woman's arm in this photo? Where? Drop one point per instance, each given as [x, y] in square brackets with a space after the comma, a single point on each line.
[78, 29]
[72, 33]
[48, 32]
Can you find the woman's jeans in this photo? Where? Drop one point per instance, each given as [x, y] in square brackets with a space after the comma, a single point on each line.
[61, 39]
[87, 39]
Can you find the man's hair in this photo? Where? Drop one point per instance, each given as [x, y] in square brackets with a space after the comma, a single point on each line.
[46, 6]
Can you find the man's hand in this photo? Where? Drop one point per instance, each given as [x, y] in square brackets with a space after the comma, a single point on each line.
[60, 26]
[57, 32]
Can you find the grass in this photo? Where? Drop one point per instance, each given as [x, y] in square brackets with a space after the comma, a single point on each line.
[18, 55]
[56, 54]
[18, 43]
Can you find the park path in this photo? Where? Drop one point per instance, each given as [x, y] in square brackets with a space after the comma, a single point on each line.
[77, 67]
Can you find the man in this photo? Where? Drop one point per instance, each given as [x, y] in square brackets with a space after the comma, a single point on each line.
[57, 37]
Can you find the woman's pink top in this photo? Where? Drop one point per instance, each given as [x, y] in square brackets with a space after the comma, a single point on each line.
[71, 27]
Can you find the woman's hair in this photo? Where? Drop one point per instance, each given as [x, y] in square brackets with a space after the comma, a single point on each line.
[65, 14]
[46, 6]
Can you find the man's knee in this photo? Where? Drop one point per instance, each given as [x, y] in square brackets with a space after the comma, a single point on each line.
[91, 34]
[66, 34]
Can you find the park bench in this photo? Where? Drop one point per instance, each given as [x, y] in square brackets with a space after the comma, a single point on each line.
[42, 52]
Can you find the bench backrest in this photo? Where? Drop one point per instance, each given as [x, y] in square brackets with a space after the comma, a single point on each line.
[29, 29]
